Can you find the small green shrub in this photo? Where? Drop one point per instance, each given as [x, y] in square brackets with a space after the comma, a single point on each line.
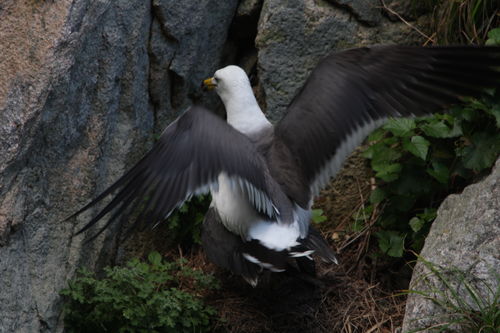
[185, 222]
[465, 301]
[418, 162]
[153, 296]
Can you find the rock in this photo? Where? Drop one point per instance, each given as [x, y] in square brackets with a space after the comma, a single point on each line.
[188, 39]
[82, 88]
[409, 10]
[293, 36]
[464, 236]
[366, 11]
[248, 7]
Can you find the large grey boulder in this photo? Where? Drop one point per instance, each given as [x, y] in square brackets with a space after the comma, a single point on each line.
[83, 85]
[464, 236]
[293, 36]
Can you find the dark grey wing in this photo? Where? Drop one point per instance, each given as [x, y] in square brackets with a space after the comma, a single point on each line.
[351, 93]
[186, 161]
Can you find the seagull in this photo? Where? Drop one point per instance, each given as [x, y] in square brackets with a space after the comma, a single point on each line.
[263, 178]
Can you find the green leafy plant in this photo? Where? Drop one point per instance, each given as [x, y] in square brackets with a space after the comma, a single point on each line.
[185, 222]
[418, 162]
[465, 301]
[152, 296]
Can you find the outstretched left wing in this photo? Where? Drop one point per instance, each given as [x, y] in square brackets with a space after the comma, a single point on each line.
[187, 160]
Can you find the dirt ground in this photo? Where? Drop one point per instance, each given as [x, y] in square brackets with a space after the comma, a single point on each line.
[338, 300]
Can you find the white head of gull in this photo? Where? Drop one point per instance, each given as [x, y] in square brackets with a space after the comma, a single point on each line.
[243, 112]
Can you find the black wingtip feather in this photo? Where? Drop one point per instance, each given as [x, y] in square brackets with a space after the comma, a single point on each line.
[129, 191]
[127, 178]
[123, 207]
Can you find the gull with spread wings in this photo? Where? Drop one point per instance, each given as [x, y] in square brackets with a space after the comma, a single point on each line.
[263, 178]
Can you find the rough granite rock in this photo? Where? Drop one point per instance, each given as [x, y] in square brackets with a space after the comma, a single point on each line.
[366, 11]
[466, 236]
[187, 46]
[82, 87]
[293, 36]
[248, 7]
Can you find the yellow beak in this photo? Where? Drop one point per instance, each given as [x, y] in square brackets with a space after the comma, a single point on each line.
[209, 84]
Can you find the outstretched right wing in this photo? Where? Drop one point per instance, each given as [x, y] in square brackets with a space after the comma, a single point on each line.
[350, 93]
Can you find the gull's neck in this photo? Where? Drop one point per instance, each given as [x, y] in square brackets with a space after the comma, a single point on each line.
[243, 112]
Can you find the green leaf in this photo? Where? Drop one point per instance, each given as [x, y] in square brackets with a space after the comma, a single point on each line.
[377, 195]
[456, 129]
[440, 172]
[391, 243]
[384, 241]
[478, 104]
[377, 135]
[387, 172]
[401, 127]
[495, 112]
[184, 208]
[463, 113]
[155, 258]
[317, 216]
[416, 224]
[493, 37]
[428, 215]
[381, 153]
[397, 246]
[418, 146]
[437, 129]
[444, 125]
[483, 151]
